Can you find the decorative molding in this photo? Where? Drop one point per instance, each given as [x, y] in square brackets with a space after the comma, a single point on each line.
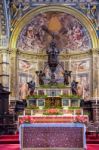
[4, 50]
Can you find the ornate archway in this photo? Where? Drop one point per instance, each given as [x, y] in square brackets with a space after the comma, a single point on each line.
[20, 28]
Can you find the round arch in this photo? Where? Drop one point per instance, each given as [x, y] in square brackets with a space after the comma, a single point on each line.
[26, 18]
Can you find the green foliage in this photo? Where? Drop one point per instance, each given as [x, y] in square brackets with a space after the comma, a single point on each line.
[37, 96]
[48, 107]
[72, 108]
[58, 85]
[70, 96]
[32, 107]
[58, 113]
[86, 113]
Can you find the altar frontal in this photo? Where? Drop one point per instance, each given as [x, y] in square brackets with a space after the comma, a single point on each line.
[51, 136]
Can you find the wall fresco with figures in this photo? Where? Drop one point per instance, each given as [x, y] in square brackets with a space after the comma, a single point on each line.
[59, 73]
[81, 73]
[68, 32]
[26, 73]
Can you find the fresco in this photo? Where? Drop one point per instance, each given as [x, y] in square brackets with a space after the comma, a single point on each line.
[80, 66]
[59, 73]
[69, 34]
[81, 73]
[26, 73]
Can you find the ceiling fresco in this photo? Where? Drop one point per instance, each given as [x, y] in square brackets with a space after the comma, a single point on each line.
[68, 33]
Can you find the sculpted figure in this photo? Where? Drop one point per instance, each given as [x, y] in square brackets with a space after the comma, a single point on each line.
[74, 87]
[31, 87]
[67, 74]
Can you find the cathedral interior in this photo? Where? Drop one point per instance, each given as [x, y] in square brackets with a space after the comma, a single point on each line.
[45, 41]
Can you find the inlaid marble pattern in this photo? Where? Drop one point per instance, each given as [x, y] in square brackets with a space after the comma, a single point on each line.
[52, 137]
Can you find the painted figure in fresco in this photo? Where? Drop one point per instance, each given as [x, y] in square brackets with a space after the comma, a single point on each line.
[16, 9]
[23, 91]
[74, 87]
[67, 74]
[31, 87]
[71, 36]
[80, 89]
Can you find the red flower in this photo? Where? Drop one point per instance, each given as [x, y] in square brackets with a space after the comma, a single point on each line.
[52, 111]
[80, 119]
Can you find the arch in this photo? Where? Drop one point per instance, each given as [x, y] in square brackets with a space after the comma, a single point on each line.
[20, 24]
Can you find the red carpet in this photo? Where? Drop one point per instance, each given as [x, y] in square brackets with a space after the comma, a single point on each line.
[92, 139]
[92, 147]
[16, 147]
[9, 139]
[9, 147]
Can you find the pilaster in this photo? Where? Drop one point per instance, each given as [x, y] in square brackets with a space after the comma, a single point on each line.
[13, 73]
[4, 68]
[95, 73]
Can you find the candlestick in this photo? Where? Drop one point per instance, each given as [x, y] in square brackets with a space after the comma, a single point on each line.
[83, 92]
[96, 96]
[24, 112]
[28, 75]
[70, 64]
[31, 112]
[82, 112]
[74, 114]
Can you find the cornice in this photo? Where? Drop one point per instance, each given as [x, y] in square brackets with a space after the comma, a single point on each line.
[4, 51]
[31, 55]
[63, 55]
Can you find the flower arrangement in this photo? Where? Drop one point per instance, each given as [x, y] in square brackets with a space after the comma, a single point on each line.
[26, 119]
[52, 111]
[80, 119]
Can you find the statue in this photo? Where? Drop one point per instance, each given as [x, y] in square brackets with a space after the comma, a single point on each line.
[52, 52]
[41, 76]
[74, 87]
[66, 75]
[31, 87]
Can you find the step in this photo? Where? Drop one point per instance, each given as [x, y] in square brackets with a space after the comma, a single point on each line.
[9, 136]
[9, 142]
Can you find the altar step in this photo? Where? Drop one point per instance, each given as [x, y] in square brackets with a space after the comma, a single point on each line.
[9, 139]
[14, 139]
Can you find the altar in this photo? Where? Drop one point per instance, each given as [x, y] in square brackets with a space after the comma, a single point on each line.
[52, 136]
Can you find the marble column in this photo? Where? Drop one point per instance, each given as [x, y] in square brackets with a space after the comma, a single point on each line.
[13, 74]
[4, 69]
[95, 75]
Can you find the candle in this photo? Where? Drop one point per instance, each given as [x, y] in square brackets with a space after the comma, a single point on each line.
[96, 96]
[76, 70]
[83, 92]
[82, 112]
[31, 112]
[70, 64]
[24, 112]
[28, 75]
[74, 114]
